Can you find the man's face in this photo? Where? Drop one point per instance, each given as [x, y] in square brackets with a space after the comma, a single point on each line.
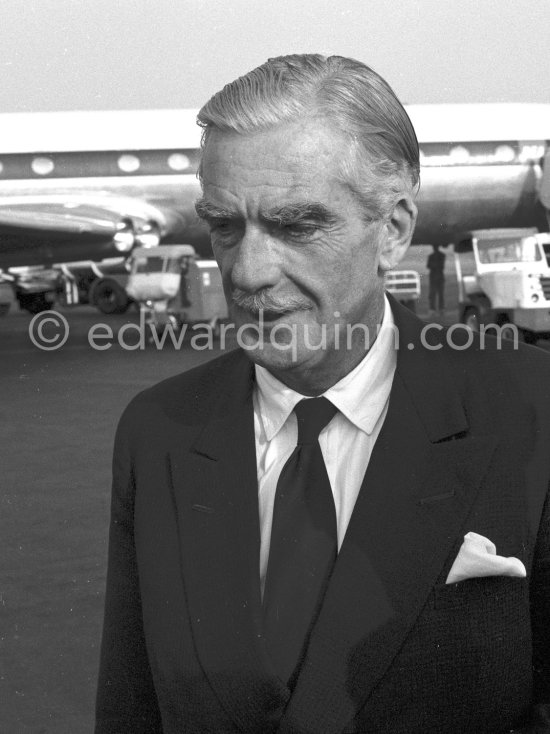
[285, 230]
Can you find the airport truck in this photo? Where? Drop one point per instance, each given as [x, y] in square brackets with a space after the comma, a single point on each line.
[174, 288]
[104, 284]
[100, 284]
[503, 278]
[34, 288]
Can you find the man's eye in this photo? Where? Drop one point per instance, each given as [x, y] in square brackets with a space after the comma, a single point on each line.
[224, 229]
[224, 233]
[221, 225]
[302, 231]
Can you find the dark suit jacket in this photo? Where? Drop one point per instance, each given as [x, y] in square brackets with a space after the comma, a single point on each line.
[465, 447]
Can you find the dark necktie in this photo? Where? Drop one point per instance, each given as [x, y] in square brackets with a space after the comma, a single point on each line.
[303, 543]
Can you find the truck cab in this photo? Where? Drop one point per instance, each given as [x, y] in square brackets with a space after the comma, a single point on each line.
[503, 277]
[173, 287]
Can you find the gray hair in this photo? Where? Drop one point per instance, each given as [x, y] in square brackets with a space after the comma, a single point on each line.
[384, 158]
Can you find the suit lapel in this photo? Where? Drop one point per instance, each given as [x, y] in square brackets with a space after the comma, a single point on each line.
[415, 497]
[216, 496]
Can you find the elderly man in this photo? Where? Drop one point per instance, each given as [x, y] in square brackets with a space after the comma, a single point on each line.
[341, 526]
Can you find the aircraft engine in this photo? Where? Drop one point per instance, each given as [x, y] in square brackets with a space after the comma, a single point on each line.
[148, 234]
[125, 237]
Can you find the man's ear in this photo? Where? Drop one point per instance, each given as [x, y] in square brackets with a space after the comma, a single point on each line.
[399, 231]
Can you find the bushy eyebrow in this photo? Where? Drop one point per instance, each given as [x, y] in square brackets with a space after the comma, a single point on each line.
[208, 211]
[291, 213]
[283, 215]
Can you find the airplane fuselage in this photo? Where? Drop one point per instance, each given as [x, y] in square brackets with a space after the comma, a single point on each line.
[467, 186]
[480, 168]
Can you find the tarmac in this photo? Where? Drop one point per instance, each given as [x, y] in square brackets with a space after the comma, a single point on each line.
[59, 411]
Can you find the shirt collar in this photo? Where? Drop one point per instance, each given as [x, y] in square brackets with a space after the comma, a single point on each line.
[361, 395]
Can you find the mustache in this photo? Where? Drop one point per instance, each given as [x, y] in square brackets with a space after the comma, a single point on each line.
[265, 300]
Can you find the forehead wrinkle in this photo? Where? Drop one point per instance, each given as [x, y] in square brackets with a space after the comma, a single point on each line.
[263, 175]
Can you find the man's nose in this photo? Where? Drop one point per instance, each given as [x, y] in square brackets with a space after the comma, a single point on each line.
[257, 261]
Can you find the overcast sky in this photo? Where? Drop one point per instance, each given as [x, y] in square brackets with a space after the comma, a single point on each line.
[139, 54]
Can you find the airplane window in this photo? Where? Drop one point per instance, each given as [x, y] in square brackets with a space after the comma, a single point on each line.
[128, 163]
[42, 166]
[459, 154]
[505, 153]
[178, 162]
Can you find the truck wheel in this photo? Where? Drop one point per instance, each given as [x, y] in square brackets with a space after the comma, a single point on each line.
[472, 318]
[109, 297]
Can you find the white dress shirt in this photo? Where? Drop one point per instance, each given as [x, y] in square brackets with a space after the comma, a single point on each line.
[346, 442]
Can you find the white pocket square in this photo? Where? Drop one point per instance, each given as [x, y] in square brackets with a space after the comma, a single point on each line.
[478, 557]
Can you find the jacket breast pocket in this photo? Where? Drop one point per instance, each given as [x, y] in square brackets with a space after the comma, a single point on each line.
[486, 592]
[477, 634]
[469, 653]
[483, 616]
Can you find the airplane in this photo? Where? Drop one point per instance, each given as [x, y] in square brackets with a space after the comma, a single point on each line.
[90, 185]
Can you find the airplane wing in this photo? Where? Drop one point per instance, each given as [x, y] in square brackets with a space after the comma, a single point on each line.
[54, 228]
